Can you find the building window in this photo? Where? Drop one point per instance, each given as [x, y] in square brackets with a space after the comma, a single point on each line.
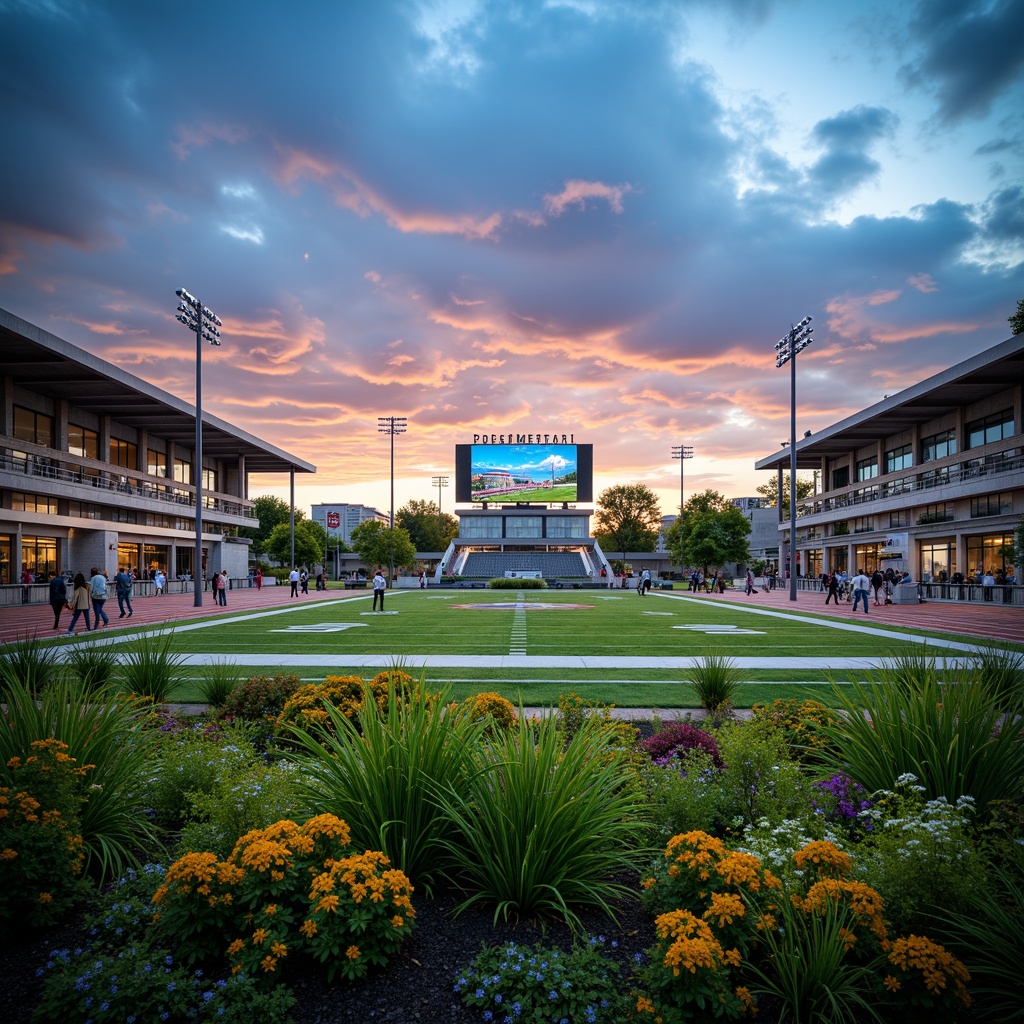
[209, 479]
[39, 555]
[867, 469]
[996, 427]
[991, 505]
[567, 526]
[933, 477]
[156, 463]
[840, 477]
[863, 524]
[83, 441]
[899, 458]
[938, 446]
[523, 526]
[867, 557]
[941, 512]
[990, 552]
[897, 520]
[480, 527]
[183, 471]
[21, 502]
[33, 427]
[841, 528]
[938, 561]
[124, 454]
[84, 510]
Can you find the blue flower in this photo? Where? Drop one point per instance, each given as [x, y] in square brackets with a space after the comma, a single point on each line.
[552, 994]
[104, 1006]
[479, 993]
[488, 1015]
[497, 998]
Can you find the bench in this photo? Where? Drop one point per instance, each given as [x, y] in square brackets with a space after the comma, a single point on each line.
[353, 584]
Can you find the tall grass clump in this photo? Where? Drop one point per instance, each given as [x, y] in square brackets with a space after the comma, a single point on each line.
[101, 730]
[381, 775]
[218, 681]
[543, 828]
[149, 668]
[28, 661]
[1002, 671]
[714, 679]
[95, 666]
[951, 735]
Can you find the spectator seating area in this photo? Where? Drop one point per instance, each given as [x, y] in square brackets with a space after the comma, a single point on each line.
[552, 564]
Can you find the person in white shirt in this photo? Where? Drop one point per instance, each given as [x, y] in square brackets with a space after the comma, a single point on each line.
[98, 596]
[380, 586]
[861, 589]
[293, 578]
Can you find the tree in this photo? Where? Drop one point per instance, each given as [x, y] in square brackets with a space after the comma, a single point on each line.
[710, 532]
[770, 492]
[372, 540]
[428, 528]
[1017, 320]
[310, 543]
[628, 518]
[270, 512]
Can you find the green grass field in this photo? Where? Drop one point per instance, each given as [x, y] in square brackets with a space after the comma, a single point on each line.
[597, 643]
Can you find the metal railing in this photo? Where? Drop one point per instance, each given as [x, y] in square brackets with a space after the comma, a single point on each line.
[118, 481]
[953, 593]
[926, 480]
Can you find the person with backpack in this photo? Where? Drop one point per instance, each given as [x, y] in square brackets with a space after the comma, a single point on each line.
[123, 583]
[58, 597]
[98, 596]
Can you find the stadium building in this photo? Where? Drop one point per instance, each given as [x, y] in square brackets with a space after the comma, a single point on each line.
[97, 468]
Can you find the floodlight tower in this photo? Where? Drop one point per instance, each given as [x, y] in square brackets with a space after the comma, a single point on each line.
[204, 323]
[439, 482]
[786, 349]
[392, 425]
[682, 453]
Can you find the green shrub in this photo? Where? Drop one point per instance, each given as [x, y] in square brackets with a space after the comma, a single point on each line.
[285, 890]
[305, 709]
[243, 797]
[218, 681]
[537, 983]
[41, 855]
[802, 723]
[261, 698]
[149, 668]
[190, 763]
[384, 781]
[760, 779]
[714, 679]
[540, 827]
[684, 796]
[95, 666]
[952, 736]
[519, 583]
[491, 708]
[101, 729]
[29, 662]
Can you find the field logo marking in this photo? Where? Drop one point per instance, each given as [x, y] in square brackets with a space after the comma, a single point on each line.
[720, 630]
[319, 627]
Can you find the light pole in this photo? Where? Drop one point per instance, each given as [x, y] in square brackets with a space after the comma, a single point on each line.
[204, 323]
[786, 349]
[439, 482]
[681, 452]
[392, 425]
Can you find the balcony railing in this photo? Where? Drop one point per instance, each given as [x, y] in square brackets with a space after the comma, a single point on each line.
[922, 481]
[52, 467]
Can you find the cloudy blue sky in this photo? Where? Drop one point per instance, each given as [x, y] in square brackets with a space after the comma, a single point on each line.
[589, 216]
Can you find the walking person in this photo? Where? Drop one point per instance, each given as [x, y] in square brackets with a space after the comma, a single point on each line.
[751, 589]
[159, 582]
[861, 589]
[877, 584]
[79, 604]
[259, 578]
[220, 585]
[58, 597]
[380, 586]
[98, 596]
[123, 583]
[293, 579]
[304, 581]
[833, 588]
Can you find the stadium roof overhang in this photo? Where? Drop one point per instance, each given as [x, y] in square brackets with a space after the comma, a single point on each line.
[48, 365]
[986, 374]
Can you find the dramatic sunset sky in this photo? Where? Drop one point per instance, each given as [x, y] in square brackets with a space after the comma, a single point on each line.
[587, 216]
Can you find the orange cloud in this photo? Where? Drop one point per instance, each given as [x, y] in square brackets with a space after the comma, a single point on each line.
[923, 283]
[196, 137]
[576, 192]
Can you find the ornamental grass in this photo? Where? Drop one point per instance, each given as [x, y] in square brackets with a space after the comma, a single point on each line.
[540, 827]
[714, 679]
[952, 735]
[103, 729]
[28, 661]
[149, 667]
[384, 780]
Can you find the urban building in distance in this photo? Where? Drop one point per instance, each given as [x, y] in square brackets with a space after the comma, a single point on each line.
[97, 469]
[340, 519]
[929, 481]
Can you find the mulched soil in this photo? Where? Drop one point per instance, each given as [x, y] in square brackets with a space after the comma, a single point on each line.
[417, 986]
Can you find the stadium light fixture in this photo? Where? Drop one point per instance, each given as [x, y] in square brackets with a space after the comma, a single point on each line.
[682, 452]
[786, 349]
[392, 425]
[205, 324]
[439, 482]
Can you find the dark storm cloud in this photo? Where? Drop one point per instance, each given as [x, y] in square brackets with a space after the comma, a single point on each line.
[846, 139]
[970, 53]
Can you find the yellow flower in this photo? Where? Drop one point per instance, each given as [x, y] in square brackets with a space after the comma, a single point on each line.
[259, 936]
[236, 947]
[397, 921]
[826, 857]
[8, 854]
[748, 1001]
[892, 984]
[270, 909]
[269, 964]
[308, 928]
[352, 952]
[279, 949]
[45, 897]
[328, 903]
[725, 907]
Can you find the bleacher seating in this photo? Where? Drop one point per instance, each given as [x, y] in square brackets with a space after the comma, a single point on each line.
[553, 564]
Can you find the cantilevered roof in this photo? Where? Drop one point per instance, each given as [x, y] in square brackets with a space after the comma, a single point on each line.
[985, 374]
[48, 365]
